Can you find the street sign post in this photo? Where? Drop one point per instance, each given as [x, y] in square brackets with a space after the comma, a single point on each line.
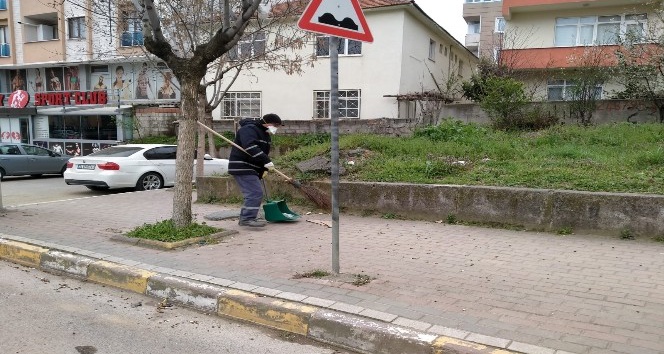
[336, 18]
[339, 18]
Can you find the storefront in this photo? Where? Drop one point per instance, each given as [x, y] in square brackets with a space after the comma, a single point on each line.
[79, 108]
[73, 127]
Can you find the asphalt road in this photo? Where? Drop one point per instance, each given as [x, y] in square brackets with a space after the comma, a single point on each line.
[46, 313]
[28, 190]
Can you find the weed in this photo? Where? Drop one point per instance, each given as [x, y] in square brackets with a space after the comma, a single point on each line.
[626, 234]
[389, 216]
[318, 273]
[565, 231]
[659, 238]
[210, 199]
[451, 219]
[361, 279]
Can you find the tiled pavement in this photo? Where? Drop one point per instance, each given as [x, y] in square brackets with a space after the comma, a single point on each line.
[575, 293]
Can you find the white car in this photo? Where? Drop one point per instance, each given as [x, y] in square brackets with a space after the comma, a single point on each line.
[138, 166]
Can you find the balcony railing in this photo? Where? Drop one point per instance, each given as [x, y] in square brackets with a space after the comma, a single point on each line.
[472, 39]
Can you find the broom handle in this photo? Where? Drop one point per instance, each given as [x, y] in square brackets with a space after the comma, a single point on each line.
[238, 146]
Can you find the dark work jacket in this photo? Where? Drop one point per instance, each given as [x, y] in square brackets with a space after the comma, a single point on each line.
[256, 141]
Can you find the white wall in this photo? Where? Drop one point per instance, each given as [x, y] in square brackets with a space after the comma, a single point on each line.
[376, 73]
[76, 48]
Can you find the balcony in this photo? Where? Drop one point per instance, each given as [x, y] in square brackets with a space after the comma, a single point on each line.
[472, 40]
[520, 6]
[566, 57]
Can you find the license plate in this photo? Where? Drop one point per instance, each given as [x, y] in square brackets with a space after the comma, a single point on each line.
[85, 166]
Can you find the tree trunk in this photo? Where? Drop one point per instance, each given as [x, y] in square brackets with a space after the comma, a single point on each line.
[185, 157]
[210, 137]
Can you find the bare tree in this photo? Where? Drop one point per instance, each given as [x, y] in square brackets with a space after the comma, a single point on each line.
[641, 63]
[191, 37]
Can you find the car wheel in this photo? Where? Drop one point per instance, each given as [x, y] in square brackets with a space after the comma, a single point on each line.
[96, 188]
[149, 181]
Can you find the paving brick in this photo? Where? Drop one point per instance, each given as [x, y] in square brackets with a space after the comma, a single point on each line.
[544, 290]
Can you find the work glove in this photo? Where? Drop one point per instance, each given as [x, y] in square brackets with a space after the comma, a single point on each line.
[269, 166]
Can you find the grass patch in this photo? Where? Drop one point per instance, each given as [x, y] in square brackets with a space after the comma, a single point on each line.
[619, 157]
[165, 231]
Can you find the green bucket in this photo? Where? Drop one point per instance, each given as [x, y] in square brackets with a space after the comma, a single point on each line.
[277, 211]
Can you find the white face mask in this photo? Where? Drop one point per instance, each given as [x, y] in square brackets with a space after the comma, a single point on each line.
[272, 129]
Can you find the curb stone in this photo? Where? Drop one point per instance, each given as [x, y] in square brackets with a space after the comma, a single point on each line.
[342, 329]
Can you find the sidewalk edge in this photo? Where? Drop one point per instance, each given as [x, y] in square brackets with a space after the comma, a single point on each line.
[342, 329]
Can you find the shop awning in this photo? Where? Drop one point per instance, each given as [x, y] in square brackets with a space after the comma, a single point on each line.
[6, 112]
[83, 110]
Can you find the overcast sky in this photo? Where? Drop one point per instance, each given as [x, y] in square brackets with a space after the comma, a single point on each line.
[448, 14]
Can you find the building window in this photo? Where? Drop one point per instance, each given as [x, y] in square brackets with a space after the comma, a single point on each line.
[349, 104]
[3, 4]
[473, 27]
[499, 25]
[250, 46]
[132, 29]
[77, 28]
[432, 50]
[241, 105]
[40, 32]
[600, 30]
[445, 51]
[4, 46]
[563, 90]
[346, 46]
[460, 67]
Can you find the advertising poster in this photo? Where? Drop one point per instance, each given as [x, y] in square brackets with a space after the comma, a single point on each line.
[144, 76]
[57, 146]
[54, 79]
[73, 149]
[89, 148]
[17, 80]
[121, 86]
[40, 143]
[72, 79]
[167, 88]
[36, 80]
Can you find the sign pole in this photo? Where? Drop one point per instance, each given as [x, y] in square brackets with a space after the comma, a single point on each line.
[324, 16]
[334, 131]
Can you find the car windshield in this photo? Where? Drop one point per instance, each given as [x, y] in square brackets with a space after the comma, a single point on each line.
[117, 151]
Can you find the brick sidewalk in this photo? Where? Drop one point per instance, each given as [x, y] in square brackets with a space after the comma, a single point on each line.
[577, 293]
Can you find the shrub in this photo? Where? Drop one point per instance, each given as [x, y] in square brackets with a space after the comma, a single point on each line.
[451, 130]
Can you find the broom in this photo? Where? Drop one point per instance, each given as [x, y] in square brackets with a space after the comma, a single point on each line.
[314, 194]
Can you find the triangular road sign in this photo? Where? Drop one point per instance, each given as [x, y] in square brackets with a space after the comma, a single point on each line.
[341, 18]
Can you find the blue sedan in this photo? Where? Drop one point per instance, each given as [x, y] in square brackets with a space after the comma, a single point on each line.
[23, 159]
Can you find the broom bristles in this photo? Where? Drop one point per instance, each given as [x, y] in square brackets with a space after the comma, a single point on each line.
[316, 196]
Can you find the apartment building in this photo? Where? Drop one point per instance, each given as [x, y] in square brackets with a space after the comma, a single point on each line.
[486, 26]
[410, 54]
[75, 72]
[549, 38]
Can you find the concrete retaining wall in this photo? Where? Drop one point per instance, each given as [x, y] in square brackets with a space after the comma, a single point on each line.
[535, 209]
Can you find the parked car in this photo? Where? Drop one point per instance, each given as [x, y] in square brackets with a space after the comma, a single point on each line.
[138, 166]
[18, 159]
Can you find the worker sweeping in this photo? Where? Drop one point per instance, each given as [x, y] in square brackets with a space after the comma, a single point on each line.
[248, 167]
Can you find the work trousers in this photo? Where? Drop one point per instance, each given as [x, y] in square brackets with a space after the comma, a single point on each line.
[250, 185]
